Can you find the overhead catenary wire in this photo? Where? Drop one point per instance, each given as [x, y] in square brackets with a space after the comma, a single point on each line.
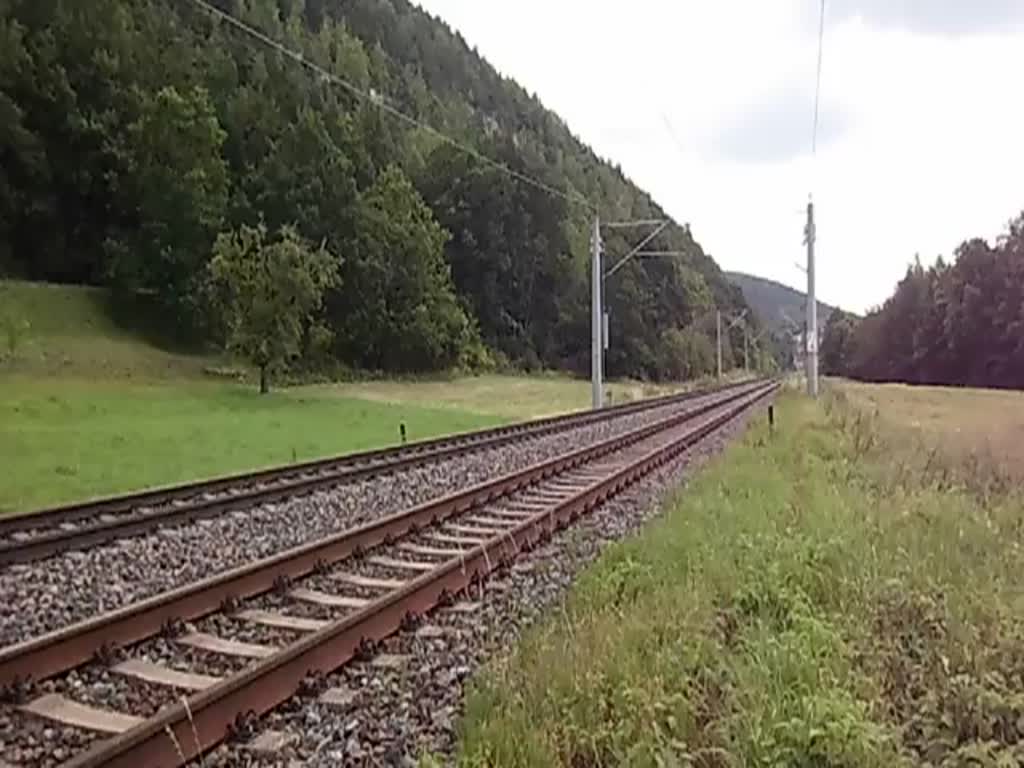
[355, 90]
[817, 84]
[672, 133]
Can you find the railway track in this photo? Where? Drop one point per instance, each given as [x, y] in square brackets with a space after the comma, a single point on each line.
[311, 609]
[34, 536]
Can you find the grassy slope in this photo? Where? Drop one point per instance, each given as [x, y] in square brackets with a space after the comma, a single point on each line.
[823, 597]
[70, 334]
[89, 409]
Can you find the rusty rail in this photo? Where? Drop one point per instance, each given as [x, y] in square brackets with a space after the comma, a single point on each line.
[193, 727]
[340, 469]
[66, 648]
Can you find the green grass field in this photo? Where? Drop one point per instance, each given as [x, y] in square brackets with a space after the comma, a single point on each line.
[90, 409]
[66, 439]
[828, 596]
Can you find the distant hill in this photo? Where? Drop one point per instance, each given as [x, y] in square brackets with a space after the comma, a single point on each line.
[773, 302]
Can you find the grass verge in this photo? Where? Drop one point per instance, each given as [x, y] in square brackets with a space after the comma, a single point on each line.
[69, 439]
[819, 597]
[517, 397]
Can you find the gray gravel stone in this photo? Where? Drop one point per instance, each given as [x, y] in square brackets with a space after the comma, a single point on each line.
[53, 593]
[397, 711]
[396, 716]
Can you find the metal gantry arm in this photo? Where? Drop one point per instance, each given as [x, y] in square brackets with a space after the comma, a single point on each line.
[718, 334]
[633, 224]
[621, 262]
[598, 319]
[756, 341]
[746, 353]
[737, 319]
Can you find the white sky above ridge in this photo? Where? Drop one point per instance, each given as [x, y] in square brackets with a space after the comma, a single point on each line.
[919, 142]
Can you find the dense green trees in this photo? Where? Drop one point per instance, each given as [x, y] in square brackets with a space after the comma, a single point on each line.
[175, 197]
[509, 253]
[267, 294]
[399, 311]
[837, 343]
[960, 323]
[133, 132]
[688, 354]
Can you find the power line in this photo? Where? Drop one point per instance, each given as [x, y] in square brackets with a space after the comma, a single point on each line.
[817, 86]
[376, 100]
[672, 132]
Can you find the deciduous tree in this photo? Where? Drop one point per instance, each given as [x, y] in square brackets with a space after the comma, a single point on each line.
[399, 311]
[268, 293]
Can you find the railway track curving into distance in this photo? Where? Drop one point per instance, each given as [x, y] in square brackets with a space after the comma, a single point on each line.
[35, 536]
[181, 672]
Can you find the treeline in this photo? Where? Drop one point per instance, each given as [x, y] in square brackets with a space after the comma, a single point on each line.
[135, 133]
[959, 324]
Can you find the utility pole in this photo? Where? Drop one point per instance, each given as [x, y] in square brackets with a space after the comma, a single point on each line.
[718, 341]
[746, 352]
[756, 342]
[596, 320]
[812, 307]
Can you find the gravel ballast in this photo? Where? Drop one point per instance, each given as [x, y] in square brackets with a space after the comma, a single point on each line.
[395, 715]
[53, 593]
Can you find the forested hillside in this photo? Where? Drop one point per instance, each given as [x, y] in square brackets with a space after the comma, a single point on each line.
[776, 305]
[149, 147]
[959, 323]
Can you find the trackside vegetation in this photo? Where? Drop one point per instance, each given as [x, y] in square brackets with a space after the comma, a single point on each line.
[828, 595]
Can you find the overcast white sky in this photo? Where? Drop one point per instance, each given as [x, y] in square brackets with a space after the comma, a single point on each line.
[921, 137]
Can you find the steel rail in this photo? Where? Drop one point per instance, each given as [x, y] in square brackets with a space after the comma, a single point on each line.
[66, 648]
[188, 729]
[388, 460]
